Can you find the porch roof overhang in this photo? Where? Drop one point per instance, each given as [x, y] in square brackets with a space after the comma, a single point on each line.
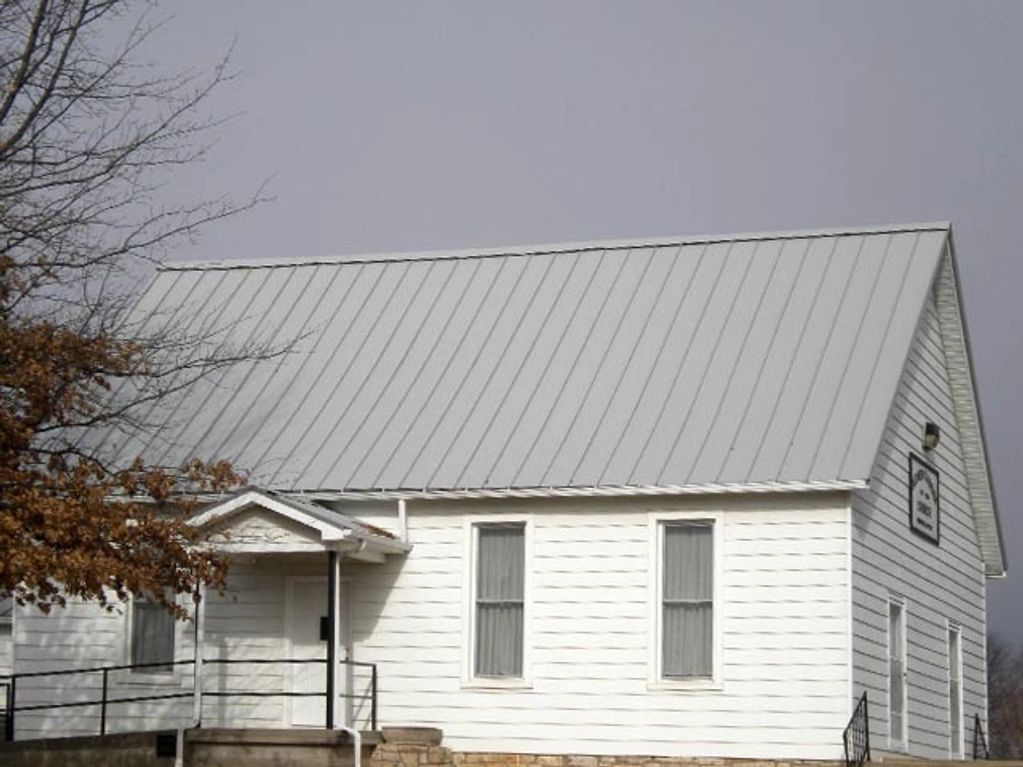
[255, 521]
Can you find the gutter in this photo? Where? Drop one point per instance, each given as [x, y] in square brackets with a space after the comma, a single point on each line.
[603, 491]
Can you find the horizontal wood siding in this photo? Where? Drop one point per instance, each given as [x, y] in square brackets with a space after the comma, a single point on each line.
[783, 604]
[785, 638]
[82, 635]
[245, 622]
[938, 583]
[6, 648]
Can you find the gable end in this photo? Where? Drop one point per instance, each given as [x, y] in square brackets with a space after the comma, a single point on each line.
[967, 411]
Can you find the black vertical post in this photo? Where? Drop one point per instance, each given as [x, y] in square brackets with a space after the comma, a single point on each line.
[103, 707]
[373, 701]
[9, 719]
[866, 726]
[331, 634]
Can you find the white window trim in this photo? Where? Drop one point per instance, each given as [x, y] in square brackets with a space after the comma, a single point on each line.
[469, 554]
[903, 747]
[953, 751]
[150, 678]
[655, 680]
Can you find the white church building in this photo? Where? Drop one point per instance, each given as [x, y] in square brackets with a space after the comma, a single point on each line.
[679, 497]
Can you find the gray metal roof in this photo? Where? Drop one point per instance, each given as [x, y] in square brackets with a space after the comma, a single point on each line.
[747, 359]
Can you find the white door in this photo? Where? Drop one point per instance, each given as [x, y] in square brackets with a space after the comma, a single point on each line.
[306, 640]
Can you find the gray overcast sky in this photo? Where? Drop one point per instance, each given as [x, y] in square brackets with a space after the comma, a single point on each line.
[404, 126]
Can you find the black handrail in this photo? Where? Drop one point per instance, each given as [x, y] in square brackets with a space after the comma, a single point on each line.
[10, 706]
[980, 749]
[5, 702]
[856, 736]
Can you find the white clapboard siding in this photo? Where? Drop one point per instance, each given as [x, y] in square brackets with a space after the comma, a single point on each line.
[6, 648]
[80, 636]
[938, 583]
[785, 640]
[244, 622]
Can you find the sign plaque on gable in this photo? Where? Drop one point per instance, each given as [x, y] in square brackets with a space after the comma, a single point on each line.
[924, 499]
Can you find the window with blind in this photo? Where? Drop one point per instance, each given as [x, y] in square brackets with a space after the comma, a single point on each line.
[896, 675]
[687, 600]
[152, 636]
[499, 600]
[955, 690]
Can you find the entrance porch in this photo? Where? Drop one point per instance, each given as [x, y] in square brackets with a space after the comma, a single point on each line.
[274, 650]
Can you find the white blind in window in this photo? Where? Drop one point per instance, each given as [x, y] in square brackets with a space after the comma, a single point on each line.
[152, 634]
[896, 675]
[688, 600]
[500, 588]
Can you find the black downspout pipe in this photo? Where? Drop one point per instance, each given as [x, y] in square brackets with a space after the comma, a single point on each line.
[331, 635]
[11, 704]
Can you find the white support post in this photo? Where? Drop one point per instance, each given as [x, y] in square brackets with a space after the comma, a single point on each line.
[199, 616]
[340, 712]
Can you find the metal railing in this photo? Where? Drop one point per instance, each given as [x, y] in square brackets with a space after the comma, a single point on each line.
[856, 737]
[980, 749]
[10, 705]
[5, 686]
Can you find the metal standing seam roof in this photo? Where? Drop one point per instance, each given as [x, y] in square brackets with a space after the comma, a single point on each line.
[750, 359]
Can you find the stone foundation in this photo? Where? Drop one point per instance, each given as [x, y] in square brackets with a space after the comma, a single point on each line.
[137, 749]
[411, 747]
[421, 747]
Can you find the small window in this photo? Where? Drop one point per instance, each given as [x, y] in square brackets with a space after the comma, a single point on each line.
[687, 600]
[897, 675]
[500, 598]
[152, 636]
[955, 691]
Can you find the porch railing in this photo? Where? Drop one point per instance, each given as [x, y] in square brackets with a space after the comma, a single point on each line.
[980, 749]
[4, 702]
[9, 706]
[856, 737]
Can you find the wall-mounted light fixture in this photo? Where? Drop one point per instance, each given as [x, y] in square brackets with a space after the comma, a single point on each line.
[932, 436]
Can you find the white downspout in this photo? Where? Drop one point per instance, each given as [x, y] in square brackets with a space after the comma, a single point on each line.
[199, 617]
[402, 521]
[356, 737]
[353, 733]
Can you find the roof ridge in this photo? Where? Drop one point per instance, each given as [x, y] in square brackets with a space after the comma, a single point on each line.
[562, 247]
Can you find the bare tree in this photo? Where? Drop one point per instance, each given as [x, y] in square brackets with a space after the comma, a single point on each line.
[88, 140]
[1005, 698]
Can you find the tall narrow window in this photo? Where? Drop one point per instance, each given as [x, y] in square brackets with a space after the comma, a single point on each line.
[897, 675]
[152, 635]
[500, 596]
[955, 691]
[687, 600]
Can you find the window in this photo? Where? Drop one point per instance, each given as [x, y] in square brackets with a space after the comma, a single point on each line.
[687, 600]
[897, 675]
[152, 635]
[955, 691]
[499, 600]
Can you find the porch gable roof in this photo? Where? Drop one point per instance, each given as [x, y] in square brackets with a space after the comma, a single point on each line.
[330, 529]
